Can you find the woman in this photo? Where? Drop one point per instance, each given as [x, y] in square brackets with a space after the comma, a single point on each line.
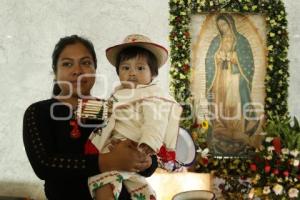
[229, 68]
[55, 143]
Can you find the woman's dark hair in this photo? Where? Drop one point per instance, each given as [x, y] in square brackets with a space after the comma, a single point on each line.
[132, 52]
[59, 47]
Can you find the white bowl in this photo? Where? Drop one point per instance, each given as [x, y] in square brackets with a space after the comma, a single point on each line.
[195, 195]
[185, 148]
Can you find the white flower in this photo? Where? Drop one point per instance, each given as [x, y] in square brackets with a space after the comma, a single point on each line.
[296, 163]
[251, 193]
[271, 148]
[172, 17]
[294, 153]
[181, 76]
[203, 152]
[293, 192]
[266, 190]
[269, 139]
[199, 150]
[257, 177]
[269, 157]
[272, 34]
[285, 151]
[278, 189]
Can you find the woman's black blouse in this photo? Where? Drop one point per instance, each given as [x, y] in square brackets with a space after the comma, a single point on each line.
[58, 158]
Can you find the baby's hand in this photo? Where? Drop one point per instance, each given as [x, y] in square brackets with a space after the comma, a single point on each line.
[146, 149]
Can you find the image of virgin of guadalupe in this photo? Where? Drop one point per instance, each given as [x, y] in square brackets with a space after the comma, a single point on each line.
[229, 67]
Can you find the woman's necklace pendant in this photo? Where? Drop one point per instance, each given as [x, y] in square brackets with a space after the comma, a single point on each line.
[75, 132]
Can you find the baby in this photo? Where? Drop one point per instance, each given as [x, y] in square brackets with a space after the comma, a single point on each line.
[142, 112]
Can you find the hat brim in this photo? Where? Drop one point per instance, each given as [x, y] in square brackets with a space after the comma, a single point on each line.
[159, 52]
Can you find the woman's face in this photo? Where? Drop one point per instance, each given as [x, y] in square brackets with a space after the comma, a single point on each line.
[223, 26]
[75, 71]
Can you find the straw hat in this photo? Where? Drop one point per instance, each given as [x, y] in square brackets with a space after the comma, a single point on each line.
[137, 40]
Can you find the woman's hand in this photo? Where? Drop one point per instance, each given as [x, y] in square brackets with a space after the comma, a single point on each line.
[146, 149]
[124, 156]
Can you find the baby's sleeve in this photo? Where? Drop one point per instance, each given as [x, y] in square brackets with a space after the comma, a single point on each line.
[155, 121]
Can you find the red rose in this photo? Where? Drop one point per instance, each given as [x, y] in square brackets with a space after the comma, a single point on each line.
[286, 173]
[177, 19]
[186, 68]
[277, 144]
[187, 34]
[258, 159]
[267, 168]
[253, 167]
[278, 162]
[205, 161]
[275, 171]
[196, 125]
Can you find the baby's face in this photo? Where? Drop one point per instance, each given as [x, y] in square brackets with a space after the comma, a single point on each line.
[135, 71]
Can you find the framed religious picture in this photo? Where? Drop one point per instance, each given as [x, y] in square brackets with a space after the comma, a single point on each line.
[229, 60]
[229, 71]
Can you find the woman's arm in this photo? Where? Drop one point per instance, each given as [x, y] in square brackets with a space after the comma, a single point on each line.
[39, 144]
[125, 156]
[46, 162]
